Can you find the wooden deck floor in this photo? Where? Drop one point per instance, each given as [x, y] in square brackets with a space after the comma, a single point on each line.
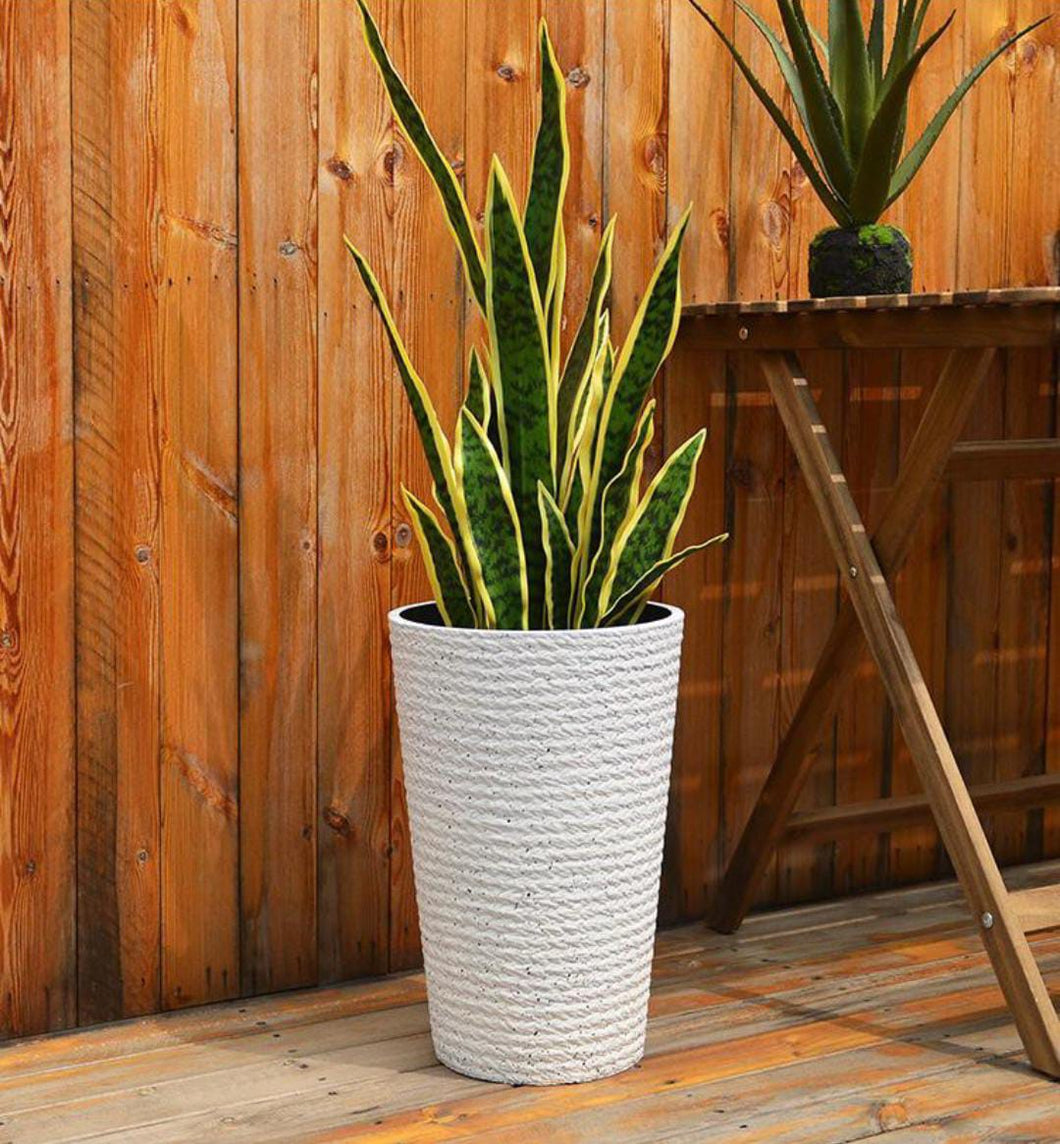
[868, 1017]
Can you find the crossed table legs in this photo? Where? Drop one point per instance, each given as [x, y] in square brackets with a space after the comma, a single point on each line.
[868, 616]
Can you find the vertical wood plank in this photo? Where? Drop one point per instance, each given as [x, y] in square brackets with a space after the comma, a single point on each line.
[427, 43]
[754, 572]
[354, 508]
[199, 570]
[976, 521]
[37, 846]
[863, 720]
[277, 481]
[116, 363]
[701, 76]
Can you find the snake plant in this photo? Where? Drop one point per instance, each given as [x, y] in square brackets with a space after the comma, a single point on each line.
[540, 487]
[855, 116]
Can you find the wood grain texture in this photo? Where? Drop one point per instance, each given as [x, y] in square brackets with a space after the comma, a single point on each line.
[278, 501]
[37, 770]
[116, 379]
[355, 407]
[199, 520]
[428, 293]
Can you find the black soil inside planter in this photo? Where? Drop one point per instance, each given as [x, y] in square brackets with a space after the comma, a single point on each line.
[853, 260]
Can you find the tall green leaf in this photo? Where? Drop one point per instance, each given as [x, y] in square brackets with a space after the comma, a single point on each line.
[830, 196]
[872, 184]
[826, 120]
[435, 444]
[440, 560]
[875, 45]
[649, 534]
[617, 503]
[647, 344]
[445, 181]
[559, 558]
[477, 399]
[920, 150]
[627, 608]
[543, 221]
[496, 539]
[525, 400]
[580, 358]
[850, 72]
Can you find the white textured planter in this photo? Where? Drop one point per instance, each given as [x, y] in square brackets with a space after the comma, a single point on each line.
[537, 766]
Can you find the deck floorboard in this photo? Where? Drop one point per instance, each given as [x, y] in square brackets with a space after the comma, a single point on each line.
[861, 1018]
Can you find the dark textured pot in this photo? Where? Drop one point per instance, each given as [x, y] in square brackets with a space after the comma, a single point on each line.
[853, 260]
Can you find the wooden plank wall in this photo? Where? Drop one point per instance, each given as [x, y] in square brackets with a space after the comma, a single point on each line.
[202, 440]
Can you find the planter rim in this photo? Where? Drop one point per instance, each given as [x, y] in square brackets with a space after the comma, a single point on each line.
[667, 615]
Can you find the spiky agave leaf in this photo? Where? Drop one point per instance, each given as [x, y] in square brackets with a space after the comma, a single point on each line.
[649, 534]
[494, 525]
[440, 560]
[920, 150]
[850, 72]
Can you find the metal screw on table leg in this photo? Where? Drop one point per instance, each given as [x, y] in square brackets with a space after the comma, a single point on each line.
[745, 333]
[853, 572]
[988, 920]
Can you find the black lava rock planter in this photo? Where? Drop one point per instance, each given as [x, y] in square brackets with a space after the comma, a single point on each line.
[854, 260]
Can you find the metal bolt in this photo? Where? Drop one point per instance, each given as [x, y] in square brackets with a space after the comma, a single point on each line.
[141, 856]
[143, 554]
[403, 536]
[853, 572]
[988, 920]
[745, 333]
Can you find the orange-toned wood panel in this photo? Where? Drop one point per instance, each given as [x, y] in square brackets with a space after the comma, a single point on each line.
[355, 381]
[116, 380]
[199, 520]
[277, 491]
[37, 774]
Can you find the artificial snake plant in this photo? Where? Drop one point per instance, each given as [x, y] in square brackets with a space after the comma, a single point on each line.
[540, 487]
[855, 115]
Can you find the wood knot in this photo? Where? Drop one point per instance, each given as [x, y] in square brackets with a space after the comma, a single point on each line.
[578, 77]
[392, 158]
[593, 220]
[655, 158]
[339, 168]
[403, 535]
[30, 867]
[143, 554]
[506, 72]
[380, 545]
[7, 639]
[337, 821]
[722, 227]
[742, 473]
[288, 248]
[774, 223]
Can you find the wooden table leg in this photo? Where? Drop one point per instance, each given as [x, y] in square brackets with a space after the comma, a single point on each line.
[1000, 925]
[940, 426]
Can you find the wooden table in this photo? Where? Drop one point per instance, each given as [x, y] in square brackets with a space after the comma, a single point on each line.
[973, 326]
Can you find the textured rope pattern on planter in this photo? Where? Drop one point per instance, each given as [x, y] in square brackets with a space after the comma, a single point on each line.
[537, 773]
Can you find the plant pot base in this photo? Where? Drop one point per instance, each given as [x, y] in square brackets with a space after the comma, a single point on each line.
[857, 260]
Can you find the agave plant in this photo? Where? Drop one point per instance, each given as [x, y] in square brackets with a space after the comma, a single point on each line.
[855, 117]
[548, 526]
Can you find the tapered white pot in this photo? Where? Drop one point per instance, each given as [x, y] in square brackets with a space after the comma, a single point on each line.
[537, 766]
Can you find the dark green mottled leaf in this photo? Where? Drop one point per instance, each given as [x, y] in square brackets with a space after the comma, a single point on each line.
[646, 346]
[520, 371]
[580, 358]
[440, 560]
[445, 181]
[649, 535]
[551, 168]
[496, 540]
[559, 556]
[617, 503]
[628, 607]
